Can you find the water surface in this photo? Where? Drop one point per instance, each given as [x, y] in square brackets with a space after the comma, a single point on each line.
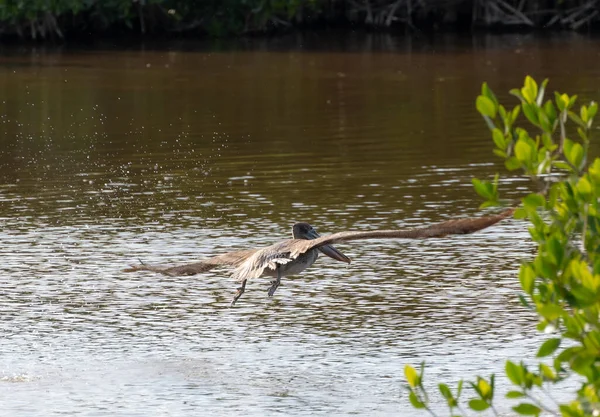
[172, 153]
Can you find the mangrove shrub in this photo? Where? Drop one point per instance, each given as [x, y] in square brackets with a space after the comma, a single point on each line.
[562, 283]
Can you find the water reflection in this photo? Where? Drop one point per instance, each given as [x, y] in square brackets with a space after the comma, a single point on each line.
[171, 156]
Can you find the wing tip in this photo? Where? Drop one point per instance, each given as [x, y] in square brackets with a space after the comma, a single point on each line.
[133, 268]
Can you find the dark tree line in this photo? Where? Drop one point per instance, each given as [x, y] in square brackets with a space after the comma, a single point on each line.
[41, 19]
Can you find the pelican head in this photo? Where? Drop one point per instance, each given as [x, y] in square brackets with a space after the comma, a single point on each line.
[306, 231]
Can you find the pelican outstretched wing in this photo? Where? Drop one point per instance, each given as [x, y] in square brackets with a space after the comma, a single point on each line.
[269, 257]
[231, 259]
[449, 227]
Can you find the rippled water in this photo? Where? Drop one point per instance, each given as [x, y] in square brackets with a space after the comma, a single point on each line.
[172, 154]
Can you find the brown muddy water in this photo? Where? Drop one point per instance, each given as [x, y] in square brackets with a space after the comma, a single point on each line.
[172, 153]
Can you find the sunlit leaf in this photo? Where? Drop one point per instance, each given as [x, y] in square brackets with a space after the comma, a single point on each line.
[411, 376]
[547, 372]
[485, 106]
[523, 151]
[584, 187]
[514, 394]
[529, 90]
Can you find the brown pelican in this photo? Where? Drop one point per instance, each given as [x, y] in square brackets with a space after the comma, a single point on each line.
[292, 256]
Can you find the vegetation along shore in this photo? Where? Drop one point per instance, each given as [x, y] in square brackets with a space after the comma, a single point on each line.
[60, 19]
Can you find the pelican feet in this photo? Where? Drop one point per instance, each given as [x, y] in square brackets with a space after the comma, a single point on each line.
[238, 294]
[274, 285]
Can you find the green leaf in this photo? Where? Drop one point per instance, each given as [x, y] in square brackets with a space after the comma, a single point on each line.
[568, 354]
[582, 364]
[498, 138]
[515, 114]
[487, 92]
[550, 110]
[523, 151]
[500, 153]
[523, 301]
[548, 347]
[445, 391]
[485, 106]
[550, 311]
[572, 100]
[584, 187]
[517, 93]
[575, 154]
[530, 90]
[530, 112]
[488, 204]
[571, 410]
[514, 373]
[583, 114]
[544, 121]
[514, 394]
[478, 405]
[540, 95]
[592, 110]
[562, 165]
[560, 103]
[534, 200]
[501, 111]
[555, 250]
[547, 372]
[526, 409]
[576, 119]
[411, 376]
[512, 163]
[484, 388]
[527, 278]
[415, 401]
[484, 189]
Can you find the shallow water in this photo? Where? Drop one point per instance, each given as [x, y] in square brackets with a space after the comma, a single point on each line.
[172, 153]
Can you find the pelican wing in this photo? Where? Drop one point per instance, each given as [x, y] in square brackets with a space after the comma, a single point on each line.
[231, 259]
[269, 257]
[449, 227]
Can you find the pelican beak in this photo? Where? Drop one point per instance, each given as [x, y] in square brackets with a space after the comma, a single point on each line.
[334, 253]
[329, 250]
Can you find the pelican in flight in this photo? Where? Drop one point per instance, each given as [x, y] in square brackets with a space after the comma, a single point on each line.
[292, 256]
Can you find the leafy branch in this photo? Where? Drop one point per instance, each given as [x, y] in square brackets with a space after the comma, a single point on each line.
[562, 283]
